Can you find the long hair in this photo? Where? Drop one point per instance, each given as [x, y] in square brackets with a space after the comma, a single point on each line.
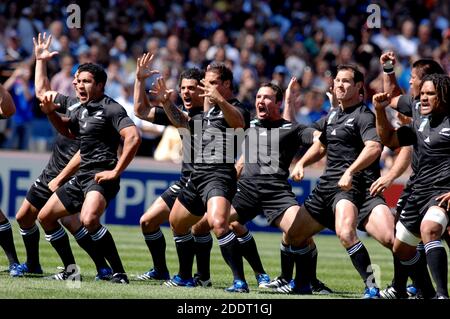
[441, 84]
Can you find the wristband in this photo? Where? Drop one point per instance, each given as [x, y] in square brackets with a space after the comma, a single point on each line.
[388, 67]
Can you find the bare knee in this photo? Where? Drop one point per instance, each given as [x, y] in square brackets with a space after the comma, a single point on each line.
[220, 226]
[91, 223]
[26, 216]
[26, 219]
[202, 227]
[148, 224]
[388, 241]
[430, 231]
[46, 220]
[71, 222]
[238, 228]
[347, 237]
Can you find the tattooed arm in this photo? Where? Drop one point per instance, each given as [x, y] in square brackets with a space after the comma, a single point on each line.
[177, 117]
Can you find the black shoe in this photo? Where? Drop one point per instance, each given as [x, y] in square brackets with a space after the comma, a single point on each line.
[320, 288]
[202, 283]
[119, 278]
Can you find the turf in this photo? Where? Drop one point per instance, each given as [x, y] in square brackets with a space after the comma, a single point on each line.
[334, 268]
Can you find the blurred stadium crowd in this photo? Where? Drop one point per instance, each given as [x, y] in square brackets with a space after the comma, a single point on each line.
[260, 40]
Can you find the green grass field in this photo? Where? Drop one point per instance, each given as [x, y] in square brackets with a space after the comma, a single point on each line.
[334, 268]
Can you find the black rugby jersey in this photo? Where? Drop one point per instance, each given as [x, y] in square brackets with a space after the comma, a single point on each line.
[344, 134]
[430, 136]
[98, 124]
[269, 147]
[218, 141]
[195, 114]
[64, 148]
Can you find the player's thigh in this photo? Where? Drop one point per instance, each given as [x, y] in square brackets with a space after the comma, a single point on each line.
[297, 225]
[93, 207]
[155, 215]
[181, 220]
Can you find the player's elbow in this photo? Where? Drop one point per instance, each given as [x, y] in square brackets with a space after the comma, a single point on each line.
[135, 138]
[239, 123]
[375, 148]
[138, 111]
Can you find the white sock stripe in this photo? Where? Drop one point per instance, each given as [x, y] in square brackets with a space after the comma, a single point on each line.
[284, 248]
[412, 261]
[432, 245]
[246, 238]
[227, 239]
[203, 238]
[420, 246]
[30, 231]
[183, 238]
[56, 235]
[81, 233]
[153, 236]
[99, 234]
[5, 227]
[354, 248]
[300, 251]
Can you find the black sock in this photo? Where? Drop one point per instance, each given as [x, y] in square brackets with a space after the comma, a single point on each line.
[104, 244]
[229, 246]
[30, 238]
[203, 245]
[437, 262]
[314, 256]
[287, 262]
[424, 284]
[303, 266]
[60, 241]
[185, 250]
[7, 242]
[416, 269]
[156, 244]
[249, 251]
[400, 276]
[361, 261]
[85, 241]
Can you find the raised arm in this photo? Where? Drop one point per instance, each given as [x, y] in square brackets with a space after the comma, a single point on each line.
[290, 98]
[41, 81]
[400, 165]
[7, 106]
[142, 106]
[131, 142]
[232, 116]
[385, 130]
[49, 107]
[177, 117]
[389, 83]
[312, 155]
